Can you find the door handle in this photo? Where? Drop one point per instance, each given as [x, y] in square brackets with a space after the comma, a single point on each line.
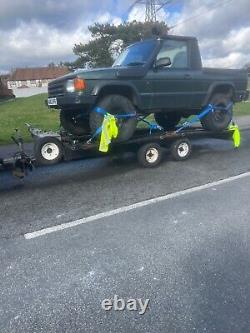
[187, 76]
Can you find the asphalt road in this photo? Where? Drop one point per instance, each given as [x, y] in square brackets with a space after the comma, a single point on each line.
[54, 195]
[189, 255]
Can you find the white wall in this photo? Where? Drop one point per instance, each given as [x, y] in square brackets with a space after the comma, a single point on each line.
[28, 83]
[26, 92]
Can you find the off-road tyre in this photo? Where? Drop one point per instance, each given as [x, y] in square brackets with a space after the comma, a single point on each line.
[115, 105]
[218, 120]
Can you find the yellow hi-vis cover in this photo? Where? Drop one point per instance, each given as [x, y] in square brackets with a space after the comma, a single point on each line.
[236, 135]
[109, 131]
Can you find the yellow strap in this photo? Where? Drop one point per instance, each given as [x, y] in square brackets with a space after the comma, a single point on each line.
[109, 131]
[236, 135]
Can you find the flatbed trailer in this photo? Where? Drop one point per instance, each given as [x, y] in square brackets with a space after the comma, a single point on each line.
[148, 143]
[52, 147]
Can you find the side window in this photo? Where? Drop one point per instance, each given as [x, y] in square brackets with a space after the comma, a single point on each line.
[177, 51]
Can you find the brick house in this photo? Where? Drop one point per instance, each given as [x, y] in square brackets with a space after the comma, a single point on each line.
[35, 77]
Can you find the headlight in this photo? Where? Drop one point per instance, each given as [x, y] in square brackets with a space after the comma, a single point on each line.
[70, 86]
[75, 85]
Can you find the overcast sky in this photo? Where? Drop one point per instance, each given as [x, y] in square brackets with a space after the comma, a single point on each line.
[37, 32]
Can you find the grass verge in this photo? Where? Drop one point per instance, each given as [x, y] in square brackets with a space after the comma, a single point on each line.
[14, 114]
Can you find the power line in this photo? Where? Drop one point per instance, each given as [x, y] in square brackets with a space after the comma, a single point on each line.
[201, 14]
[151, 8]
[163, 5]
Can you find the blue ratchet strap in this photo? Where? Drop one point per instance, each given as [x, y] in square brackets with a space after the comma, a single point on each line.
[152, 127]
[209, 108]
[117, 116]
[104, 113]
[129, 115]
[97, 132]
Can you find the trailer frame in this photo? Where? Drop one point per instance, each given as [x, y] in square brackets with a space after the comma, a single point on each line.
[84, 146]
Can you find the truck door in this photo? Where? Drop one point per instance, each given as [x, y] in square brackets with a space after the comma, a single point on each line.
[172, 85]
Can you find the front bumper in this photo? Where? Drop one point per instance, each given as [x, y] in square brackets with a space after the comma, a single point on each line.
[72, 100]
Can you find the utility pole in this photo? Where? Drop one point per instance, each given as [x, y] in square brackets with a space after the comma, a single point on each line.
[150, 15]
[151, 8]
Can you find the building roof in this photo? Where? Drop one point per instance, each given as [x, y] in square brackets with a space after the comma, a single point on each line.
[38, 73]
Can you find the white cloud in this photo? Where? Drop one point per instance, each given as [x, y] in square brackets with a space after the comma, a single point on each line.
[232, 60]
[223, 33]
[37, 32]
[32, 42]
[238, 40]
[107, 17]
[136, 14]
[37, 43]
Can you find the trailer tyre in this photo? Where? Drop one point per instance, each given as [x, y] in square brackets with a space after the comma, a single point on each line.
[48, 151]
[218, 120]
[116, 104]
[181, 149]
[149, 155]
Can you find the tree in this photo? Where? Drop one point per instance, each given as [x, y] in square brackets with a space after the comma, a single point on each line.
[108, 40]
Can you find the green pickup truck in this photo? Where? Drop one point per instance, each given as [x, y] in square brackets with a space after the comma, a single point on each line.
[162, 76]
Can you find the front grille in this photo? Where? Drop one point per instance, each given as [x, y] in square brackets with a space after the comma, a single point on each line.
[56, 88]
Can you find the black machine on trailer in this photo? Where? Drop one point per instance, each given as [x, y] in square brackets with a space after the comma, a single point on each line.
[20, 163]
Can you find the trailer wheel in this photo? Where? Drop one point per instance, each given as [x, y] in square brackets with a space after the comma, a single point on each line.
[149, 155]
[181, 149]
[48, 151]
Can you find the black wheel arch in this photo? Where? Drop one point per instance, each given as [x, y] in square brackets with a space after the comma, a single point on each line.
[118, 88]
[220, 87]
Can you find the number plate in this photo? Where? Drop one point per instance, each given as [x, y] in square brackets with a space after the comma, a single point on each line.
[52, 101]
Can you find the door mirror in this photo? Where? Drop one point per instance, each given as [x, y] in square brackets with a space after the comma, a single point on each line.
[163, 62]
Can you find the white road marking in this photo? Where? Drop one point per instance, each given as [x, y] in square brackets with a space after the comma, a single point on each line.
[128, 208]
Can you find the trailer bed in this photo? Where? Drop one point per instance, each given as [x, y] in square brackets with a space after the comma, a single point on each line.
[62, 146]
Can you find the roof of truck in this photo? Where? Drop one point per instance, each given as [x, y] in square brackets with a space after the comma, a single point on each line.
[174, 37]
[177, 37]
